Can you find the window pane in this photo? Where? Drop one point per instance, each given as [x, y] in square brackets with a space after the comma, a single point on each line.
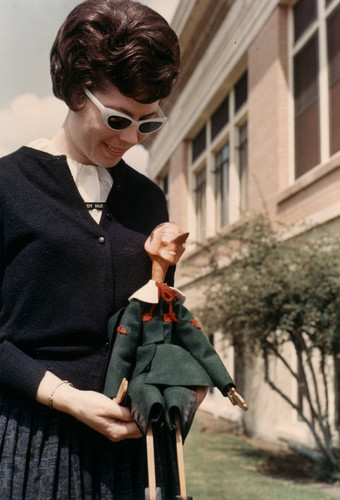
[199, 143]
[305, 12]
[201, 203]
[333, 39]
[306, 76]
[220, 118]
[307, 150]
[241, 91]
[243, 167]
[222, 185]
[306, 100]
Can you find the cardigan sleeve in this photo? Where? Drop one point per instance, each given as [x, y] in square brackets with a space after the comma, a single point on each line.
[27, 374]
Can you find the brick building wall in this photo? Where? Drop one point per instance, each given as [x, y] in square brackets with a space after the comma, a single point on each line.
[259, 41]
[268, 113]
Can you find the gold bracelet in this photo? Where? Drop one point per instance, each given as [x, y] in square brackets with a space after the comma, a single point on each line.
[50, 399]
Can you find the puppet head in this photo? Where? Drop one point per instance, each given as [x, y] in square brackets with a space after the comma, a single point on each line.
[166, 244]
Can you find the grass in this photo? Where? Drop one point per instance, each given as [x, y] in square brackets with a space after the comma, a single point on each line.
[222, 466]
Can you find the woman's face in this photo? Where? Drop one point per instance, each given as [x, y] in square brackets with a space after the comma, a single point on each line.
[90, 141]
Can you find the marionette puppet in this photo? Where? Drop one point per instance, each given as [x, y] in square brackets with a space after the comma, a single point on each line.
[161, 350]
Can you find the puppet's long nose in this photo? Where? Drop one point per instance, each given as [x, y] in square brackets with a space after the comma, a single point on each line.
[182, 238]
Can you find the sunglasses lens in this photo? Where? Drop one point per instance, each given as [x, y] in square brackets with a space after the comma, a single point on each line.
[149, 127]
[118, 122]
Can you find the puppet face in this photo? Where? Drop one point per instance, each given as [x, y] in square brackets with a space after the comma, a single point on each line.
[166, 243]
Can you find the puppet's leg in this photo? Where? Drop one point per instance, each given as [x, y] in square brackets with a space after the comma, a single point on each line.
[180, 405]
[180, 402]
[147, 403]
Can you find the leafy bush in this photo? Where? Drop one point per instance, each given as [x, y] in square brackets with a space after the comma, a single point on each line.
[276, 289]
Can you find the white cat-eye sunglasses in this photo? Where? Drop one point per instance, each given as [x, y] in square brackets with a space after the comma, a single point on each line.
[116, 120]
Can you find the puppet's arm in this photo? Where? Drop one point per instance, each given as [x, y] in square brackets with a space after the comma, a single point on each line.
[195, 341]
[123, 354]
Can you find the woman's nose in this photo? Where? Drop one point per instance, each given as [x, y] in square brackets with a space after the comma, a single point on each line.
[130, 136]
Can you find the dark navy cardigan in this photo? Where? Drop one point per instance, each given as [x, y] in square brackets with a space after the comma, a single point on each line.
[61, 274]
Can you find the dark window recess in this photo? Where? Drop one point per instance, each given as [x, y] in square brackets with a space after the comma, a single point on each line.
[333, 45]
[243, 167]
[305, 12]
[199, 143]
[241, 91]
[306, 92]
[220, 118]
[201, 183]
[222, 185]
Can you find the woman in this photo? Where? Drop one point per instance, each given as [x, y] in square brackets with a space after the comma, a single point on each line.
[73, 221]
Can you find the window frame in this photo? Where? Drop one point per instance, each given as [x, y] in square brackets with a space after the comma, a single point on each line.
[228, 133]
[317, 28]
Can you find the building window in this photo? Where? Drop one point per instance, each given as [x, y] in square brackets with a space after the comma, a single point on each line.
[220, 189]
[199, 143]
[243, 167]
[316, 75]
[305, 12]
[200, 190]
[241, 91]
[306, 96]
[333, 45]
[222, 185]
[220, 118]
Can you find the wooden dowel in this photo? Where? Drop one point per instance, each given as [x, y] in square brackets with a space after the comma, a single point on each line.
[151, 464]
[180, 460]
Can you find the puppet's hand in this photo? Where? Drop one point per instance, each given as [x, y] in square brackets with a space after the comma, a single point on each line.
[122, 391]
[236, 399]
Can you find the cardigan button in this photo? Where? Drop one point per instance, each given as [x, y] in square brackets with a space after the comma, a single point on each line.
[101, 240]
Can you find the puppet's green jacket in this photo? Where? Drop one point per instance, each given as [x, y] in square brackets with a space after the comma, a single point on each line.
[167, 347]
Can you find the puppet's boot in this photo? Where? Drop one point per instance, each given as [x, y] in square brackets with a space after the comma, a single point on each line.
[180, 402]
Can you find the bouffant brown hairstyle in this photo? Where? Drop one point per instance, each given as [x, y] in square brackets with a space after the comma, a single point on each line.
[121, 41]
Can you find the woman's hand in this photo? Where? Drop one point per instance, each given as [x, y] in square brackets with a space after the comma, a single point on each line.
[92, 408]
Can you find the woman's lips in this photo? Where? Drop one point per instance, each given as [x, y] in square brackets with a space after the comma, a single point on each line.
[114, 151]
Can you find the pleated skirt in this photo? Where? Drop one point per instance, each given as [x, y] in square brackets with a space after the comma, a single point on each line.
[48, 455]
